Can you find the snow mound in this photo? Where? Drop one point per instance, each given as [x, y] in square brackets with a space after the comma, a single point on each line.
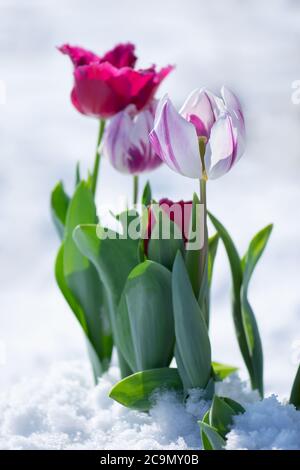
[63, 410]
[266, 425]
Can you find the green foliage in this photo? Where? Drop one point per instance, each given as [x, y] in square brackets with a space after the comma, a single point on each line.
[243, 316]
[79, 283]
[295, 392]
[59, 206]
[136, 390]
[144, 321]
[217, 422]
[192, 352]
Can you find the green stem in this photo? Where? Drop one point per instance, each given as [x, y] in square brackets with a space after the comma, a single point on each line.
[204, 253]
[97, 156]
[135, 189]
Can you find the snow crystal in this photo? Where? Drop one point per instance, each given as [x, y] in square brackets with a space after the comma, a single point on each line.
[63, 410]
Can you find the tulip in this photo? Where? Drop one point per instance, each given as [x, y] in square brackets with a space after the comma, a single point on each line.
[178, 212]
[106, 85]
[205, 138]
[126, 141]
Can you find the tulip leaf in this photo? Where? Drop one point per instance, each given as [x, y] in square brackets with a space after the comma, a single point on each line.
[221, 414]
[77, 174]
[136, 390]
[78, 311]
[237, 407]
[114, 257]
[192, 341]
[147, 195]
[80, 284]
[254, 252]
[223, 370]
[211, 439]
[295, 393]
[192, 257]
[144, 319]
[166, 239]
[59, 206]
[243, 316]
[213, 243]
[205, 442]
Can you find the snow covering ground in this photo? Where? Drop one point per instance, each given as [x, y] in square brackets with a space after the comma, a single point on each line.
[63, 410]
[252, 47]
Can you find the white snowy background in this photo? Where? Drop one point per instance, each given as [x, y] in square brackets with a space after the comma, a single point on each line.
[254, 48]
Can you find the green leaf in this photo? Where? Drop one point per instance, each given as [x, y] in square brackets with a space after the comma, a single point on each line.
[232, 253]
[244, 320]
[192, 341]
[212, 439]
[221, 414]
[223, 370]
[147, 195]
[78, 311]
[205, 442]
[77, 174]
[82, 280]
[249, 262]
[255, 250]
[136, 390]
[204, 293]
[192, 257]
[59, 206]
[114, 258]
[237, 407]
[295, 393]
[213, 243]
[145, 326]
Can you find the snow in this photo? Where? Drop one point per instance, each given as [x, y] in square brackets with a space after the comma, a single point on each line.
[62, 410]
[249, 47]
[266, 425]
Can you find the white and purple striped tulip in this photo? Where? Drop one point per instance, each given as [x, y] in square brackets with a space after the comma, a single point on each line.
[205, 138]
[126, 140]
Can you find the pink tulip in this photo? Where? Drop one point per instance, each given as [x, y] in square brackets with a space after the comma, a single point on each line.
[126, 140]
[205, 138]
[106, 85]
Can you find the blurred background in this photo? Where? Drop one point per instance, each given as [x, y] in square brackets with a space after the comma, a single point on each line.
[252, 47]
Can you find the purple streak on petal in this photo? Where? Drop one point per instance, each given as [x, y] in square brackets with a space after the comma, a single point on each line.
[199, 125]
[167, 138]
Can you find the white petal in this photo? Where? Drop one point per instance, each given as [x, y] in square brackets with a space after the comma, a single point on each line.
[220, 154]
[175, 140]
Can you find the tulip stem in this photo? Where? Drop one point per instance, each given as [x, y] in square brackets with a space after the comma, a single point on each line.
[204, 254]
[97, 156]
[135, 189]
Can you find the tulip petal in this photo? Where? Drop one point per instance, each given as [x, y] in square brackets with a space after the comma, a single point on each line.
[200, 108]
[78, 55]
[219, 156]
[115, 141]
[234, 108]
[122, 55]
[175, 140]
